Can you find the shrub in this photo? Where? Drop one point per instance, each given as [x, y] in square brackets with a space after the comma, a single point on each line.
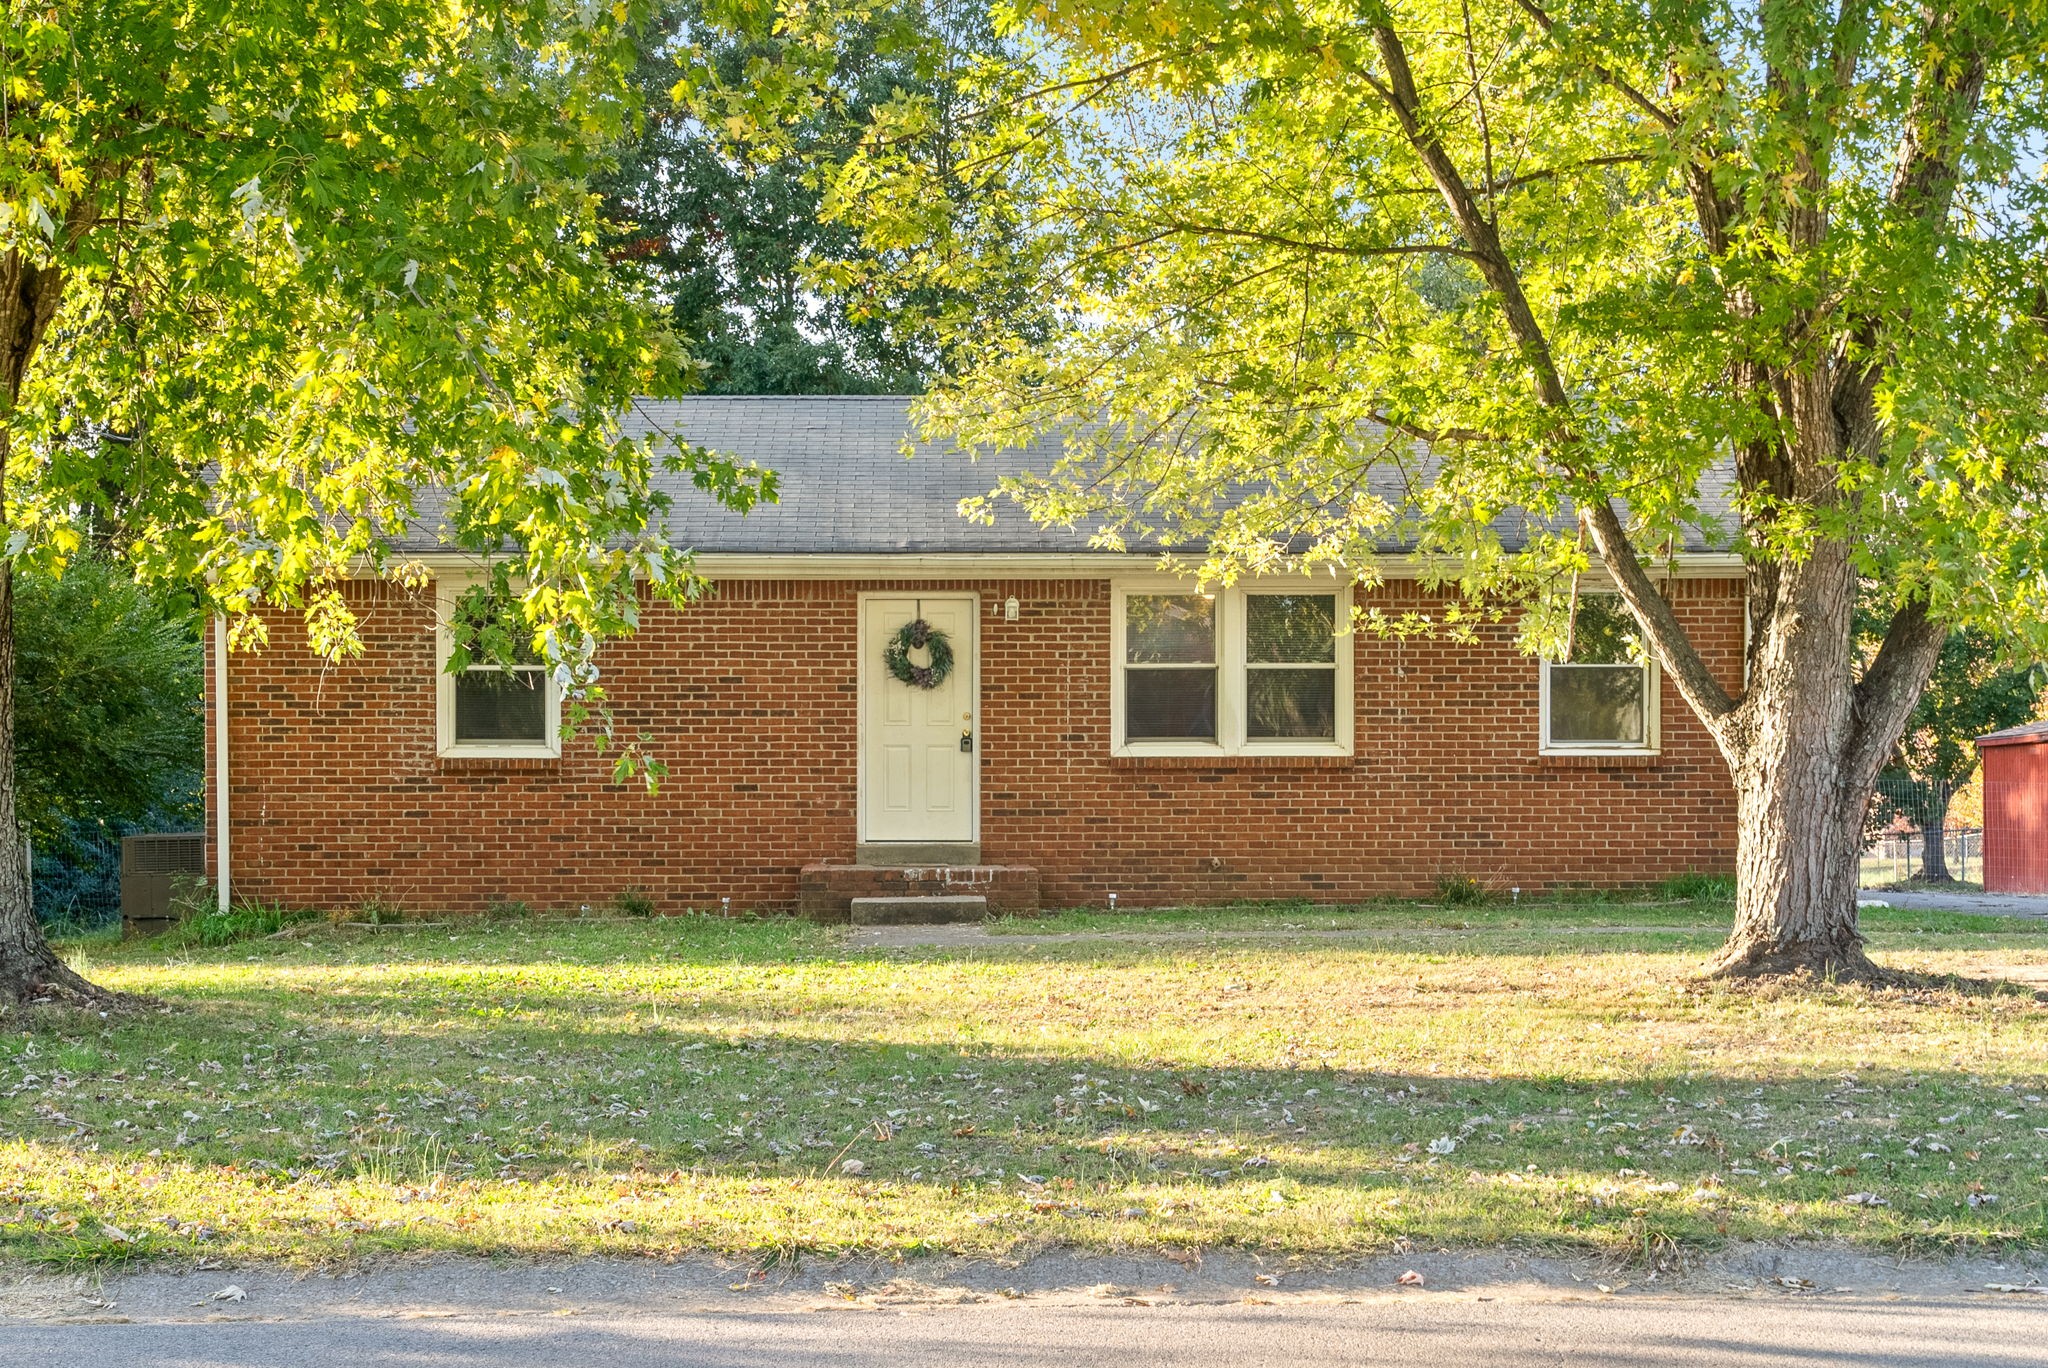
[378, 911]
[192, 896]
[210, 927]
[1460, 890]
[633, 902]
[1693, 886]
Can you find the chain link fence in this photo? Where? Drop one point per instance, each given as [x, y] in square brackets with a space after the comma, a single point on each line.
[1901, 857]
[1928, 834]
[76, 881]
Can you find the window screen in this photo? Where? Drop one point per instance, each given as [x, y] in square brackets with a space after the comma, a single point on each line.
[493, 704]
[1169, 667]
[503, 703]
[1291, 667]
[1601, 695]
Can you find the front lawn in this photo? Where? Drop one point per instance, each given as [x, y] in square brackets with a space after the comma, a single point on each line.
[1296, 1082]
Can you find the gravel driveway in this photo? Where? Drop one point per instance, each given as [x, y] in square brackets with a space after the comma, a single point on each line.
[1988, 904]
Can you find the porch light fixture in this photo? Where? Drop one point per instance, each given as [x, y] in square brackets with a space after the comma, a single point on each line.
[1010, 609]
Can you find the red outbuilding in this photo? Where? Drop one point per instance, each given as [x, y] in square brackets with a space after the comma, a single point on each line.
[2016, 809]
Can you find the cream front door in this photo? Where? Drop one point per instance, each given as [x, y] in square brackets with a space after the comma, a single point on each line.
[917, 780]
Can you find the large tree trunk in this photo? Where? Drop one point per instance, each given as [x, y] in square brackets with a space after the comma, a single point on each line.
[1805, 747]
[1799, 841]
[29, 969]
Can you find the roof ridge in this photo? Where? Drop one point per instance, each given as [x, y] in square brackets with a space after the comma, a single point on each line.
[2039, 728]
[778, 398]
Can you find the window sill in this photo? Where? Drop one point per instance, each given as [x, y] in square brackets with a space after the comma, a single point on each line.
[1596, 759]
[1240, 760]
[457, 762]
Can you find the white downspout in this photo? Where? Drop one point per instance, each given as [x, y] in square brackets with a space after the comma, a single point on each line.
[220, 760]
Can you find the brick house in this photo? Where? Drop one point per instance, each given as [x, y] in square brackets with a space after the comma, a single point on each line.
[1104, 730]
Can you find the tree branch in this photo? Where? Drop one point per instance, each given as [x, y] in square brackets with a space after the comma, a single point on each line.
[1667, 635]
[1435, 436]
[1398, 92]
[1169, 227]
[1923, 188]
[1608, 74]
[1944, 106]
[1884, 697]
[1517, 181]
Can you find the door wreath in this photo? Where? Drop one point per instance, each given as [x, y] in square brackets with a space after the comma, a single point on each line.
[917, 634]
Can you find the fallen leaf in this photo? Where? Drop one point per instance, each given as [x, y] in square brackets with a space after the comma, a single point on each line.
[1409, 1279]
[230, 1293]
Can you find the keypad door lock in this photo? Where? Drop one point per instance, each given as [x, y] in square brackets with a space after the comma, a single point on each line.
[967, 743]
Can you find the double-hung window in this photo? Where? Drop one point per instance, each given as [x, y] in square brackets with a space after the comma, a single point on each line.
[1240, 671]
[1603, 696]
[494, 708]
[1170, 665]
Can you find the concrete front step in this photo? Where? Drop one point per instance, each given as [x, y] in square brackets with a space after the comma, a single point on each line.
[919, 911]
[826, 891]
[916, 854]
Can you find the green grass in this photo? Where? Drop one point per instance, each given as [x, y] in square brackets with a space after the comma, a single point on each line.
[1553, 913]
[207, 927]
[1450, 1077]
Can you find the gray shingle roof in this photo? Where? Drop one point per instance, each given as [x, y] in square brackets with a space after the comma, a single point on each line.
[847, 488]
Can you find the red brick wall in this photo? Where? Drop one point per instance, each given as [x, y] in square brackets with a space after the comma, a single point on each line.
[750, 697]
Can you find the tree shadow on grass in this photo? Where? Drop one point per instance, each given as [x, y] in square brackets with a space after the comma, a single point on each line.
[310, 1094]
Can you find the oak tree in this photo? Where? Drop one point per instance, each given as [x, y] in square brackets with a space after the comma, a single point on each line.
[287, 283]
[1334, 277]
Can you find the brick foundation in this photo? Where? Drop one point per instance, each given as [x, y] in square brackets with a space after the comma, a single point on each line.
[750, 697]
[826, 891]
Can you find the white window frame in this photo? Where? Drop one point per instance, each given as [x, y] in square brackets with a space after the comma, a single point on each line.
[1231, 671]
[447, 589]
[1652, 742]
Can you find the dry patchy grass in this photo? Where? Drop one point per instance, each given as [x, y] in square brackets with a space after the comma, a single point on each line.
[762, 1088]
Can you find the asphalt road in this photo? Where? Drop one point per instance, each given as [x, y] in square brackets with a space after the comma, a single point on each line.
[1414, 1332]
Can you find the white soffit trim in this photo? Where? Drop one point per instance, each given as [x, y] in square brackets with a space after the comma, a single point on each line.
[915, 565]
[977, 565]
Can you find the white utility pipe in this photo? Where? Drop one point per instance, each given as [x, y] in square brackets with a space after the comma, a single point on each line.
[220, 759]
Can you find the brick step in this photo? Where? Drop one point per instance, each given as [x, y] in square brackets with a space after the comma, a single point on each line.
[919, 911]
[826, 892]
